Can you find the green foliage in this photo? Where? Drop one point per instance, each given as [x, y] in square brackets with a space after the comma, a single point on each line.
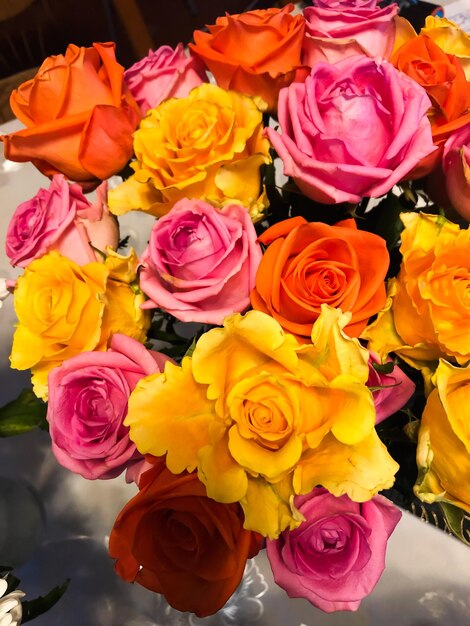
[22, 415]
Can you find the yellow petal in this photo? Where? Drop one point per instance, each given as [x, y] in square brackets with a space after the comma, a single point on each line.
[169, 413]
[333, 350]
[269, 508]
[272, 464]
[133, 195]
[224, 479]
[360, 471]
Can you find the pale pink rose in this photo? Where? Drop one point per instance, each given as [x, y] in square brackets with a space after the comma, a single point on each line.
[337, 29]
[353, 129]
[200, 264]
[164, 73]
[456, 166]
[397, 389]
[88, 397]
[61, 218]
[336, 556]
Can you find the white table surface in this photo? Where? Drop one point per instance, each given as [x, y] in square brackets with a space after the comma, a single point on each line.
[426, 582]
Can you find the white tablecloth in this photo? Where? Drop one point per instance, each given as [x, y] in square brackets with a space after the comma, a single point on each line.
[426, 582]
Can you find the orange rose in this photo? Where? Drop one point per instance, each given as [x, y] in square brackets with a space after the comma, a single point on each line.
[79, 116]
[308, 264]
[173, 539]
[443, 77]
[256, 53]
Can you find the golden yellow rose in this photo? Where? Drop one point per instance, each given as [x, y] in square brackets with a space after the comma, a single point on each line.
[261, 417]
[64, 309]
[59, 306]
[427, 315]
[123, 313]
[450, 38]
[208, 145]
[443, 454]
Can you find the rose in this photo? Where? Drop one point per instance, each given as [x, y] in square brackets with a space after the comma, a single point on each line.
[263, 418]
[396, 390]
[174, 540]
[456, 166]
[64, 309]
[208, 145]
[87, 405]
[61, 218]
[337, 555]
[419, 322]
[450, 38]
[256, 52]
[164, 73]
[79, 116]
[307, 264]
[59, 306]
[201, 262]
[336, 29]
[443, 453]
[443, 77]
[353, 129]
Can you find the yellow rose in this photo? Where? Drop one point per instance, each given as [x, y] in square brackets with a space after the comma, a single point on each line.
[208, 145]
[123, 313]
[259, 415]
[443, 454]
[450, 38]
[64, 309]
[427, 315]
[59, 306]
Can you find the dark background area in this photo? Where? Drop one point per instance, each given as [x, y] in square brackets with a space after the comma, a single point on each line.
[46, 27]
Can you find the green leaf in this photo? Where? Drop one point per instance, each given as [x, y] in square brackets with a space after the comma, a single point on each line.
[34, 608]
[458, 521]
[25, 413]
[384, 368]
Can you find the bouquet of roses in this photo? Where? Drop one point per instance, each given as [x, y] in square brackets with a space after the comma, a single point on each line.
[295, 338]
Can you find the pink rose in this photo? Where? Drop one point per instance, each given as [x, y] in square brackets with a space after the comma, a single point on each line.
[336, 29]
[88, 397]
[61, 218]
[164, 73]
[353, 129]
[398, 389]
[201, 262]
[336, 556]
[456, 166]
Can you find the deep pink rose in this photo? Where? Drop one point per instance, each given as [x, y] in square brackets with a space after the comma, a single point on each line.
[88, 397]
[61, 218]
[201, 262]
[398, 389]
[164, 73]
[456, 166]
[353, 129]
[336, 556]
[336, 29]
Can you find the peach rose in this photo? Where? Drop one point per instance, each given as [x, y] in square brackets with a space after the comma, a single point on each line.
[79, 116]
[443, 78]
[308, 264]
[255, 53]
[427, 314]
